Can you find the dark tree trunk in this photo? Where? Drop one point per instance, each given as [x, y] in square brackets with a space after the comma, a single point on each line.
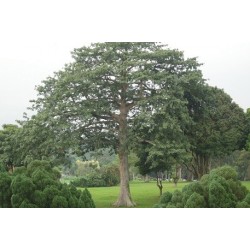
[159, 182]
[124, 199]
[203, 165]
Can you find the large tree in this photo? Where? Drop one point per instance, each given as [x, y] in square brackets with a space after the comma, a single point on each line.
[108, 84]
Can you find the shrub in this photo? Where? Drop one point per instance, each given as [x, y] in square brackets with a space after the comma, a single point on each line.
[39, 186]
[242, 204]
[177, 198]
[226, 172]
[247, 199]
[195, 201]
[188, 190]
[104, 177]
[85, 200]
[165, 198]
[59, 202]
[219, 189]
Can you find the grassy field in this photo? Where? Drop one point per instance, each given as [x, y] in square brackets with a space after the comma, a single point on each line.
[144, 194]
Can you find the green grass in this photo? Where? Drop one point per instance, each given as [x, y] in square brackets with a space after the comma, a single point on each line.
[145, 195]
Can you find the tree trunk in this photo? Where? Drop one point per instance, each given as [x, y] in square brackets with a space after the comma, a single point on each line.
[160, 188]
[159, 182]
[203, 165]
[124, 199]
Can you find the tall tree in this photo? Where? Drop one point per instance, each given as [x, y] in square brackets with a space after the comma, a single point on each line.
[105, 88]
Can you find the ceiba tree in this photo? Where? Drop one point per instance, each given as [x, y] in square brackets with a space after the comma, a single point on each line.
[98, 95]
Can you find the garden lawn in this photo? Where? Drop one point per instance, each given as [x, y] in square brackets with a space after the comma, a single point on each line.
[144, 194]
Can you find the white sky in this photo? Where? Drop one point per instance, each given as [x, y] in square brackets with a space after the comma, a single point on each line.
[36, 38]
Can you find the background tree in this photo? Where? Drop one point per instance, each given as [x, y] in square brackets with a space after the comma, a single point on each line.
[8, 146]
[161, 143]
[217, 129]
[41, 140]
[100, 93]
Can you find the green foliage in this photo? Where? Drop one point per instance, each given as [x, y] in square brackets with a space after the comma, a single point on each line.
[23, 187]
[39, 186]
[219, 189]
[242, 204]
[9, 156]
[195, 201]
[245, 203]
[98, 177]
[227, 172]
[59, 202]
[2, 168]
[5, 191]
[219, 195]
[165, 198]
[194, 187]
[243, 164]
[177, 199]
[218, 125]
[85, 200]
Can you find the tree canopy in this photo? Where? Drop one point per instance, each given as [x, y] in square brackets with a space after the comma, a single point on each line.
[218, 126]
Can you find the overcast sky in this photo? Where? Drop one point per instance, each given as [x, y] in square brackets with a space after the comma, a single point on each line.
[36, 38]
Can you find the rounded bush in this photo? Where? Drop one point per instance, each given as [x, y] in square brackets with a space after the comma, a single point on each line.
[219, 196]
[39, 186]
[177, 198]
[242, 204]
[226, 172]
[188, 190]
[59, 202]
[195, 201]
[166, 198]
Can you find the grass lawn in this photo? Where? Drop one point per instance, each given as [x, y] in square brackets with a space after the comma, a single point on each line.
[144, 194]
